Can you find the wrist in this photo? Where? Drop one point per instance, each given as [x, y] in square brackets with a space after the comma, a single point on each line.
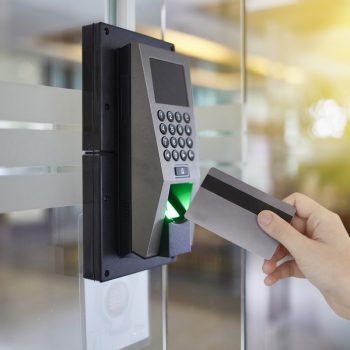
[341, 287]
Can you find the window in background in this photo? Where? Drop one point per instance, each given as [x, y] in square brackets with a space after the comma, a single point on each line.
[40, 42]
[298, 108]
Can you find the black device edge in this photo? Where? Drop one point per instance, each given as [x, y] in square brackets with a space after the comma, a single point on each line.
[87, 96]
[88, 212]
[124, 148]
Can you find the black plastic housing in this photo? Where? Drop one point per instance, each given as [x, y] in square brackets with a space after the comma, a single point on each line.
[106, 161]
[175, 239]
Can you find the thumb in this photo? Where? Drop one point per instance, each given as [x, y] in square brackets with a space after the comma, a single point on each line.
[283, 232]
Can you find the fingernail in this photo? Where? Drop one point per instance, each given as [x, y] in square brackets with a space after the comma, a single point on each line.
[264, 218]
[267, 268]
[268, 280]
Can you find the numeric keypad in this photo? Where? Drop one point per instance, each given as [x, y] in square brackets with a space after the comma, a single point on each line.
[176, 130]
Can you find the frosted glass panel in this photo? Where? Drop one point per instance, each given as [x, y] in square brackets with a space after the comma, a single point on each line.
[40, 191]
[116, 313]
[27, 103]
[40, 139]
[32, 147]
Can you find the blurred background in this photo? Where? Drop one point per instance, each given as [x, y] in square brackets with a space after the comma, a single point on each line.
[279, 119]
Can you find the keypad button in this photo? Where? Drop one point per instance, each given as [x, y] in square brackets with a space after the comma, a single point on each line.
[175, 155]
[180, 129]
[187, 117]
[161, 115]
[173, 142]
[188, 130]
[190, 154]
[170, 116]
[178, 117]
[165, 141]
[172, 129]
[167, 155]
[182, 171]
[183, 155]
[163, 129]
[189, 142]
[181, 142]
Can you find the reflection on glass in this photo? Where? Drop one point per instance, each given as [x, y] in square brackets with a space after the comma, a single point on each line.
[39, 294]
[41, 41]
[116, 313]
[42, 305]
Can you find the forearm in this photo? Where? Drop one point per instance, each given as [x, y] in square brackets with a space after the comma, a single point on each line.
[335, 284]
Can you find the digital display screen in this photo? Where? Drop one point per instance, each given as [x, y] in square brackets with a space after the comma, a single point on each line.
[169, 83]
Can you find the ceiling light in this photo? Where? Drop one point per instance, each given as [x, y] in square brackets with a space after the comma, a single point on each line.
[258, 5]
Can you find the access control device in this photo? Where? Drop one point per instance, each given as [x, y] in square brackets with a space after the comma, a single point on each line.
[140, 166]
[229, 208]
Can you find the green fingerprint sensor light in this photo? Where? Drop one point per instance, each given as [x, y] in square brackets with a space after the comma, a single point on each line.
[178, 201]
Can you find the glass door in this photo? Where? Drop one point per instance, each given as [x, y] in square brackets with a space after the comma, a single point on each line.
[204, 304]
[40, 173]
[44, 301]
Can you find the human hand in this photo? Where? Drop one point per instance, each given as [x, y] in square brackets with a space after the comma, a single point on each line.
[317, 241]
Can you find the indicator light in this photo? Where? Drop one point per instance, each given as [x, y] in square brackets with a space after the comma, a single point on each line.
[178, 201]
